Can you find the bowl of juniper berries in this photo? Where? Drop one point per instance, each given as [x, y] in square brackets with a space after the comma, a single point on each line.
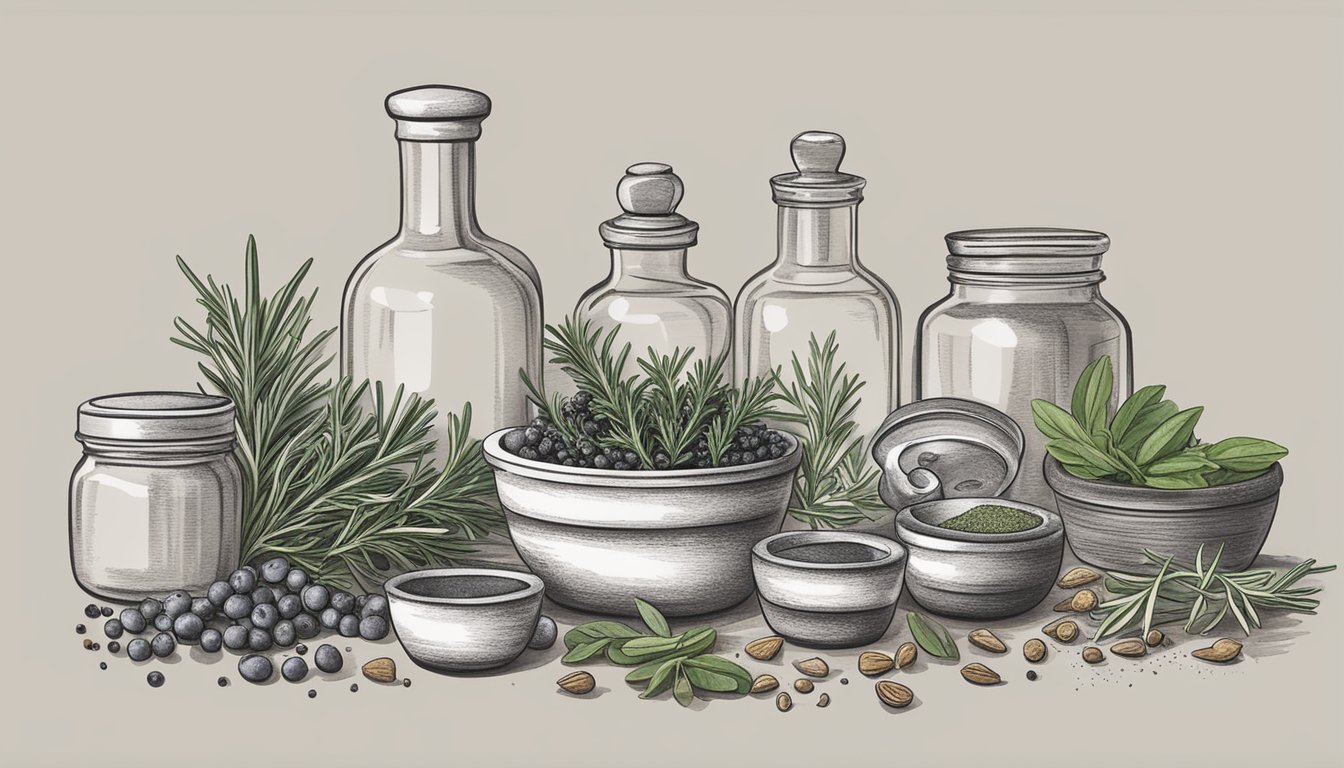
[601, 529]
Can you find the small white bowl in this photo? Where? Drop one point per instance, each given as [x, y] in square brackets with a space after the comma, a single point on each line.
[464, 619]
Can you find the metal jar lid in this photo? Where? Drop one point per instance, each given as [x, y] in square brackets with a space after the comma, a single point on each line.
[818, 182]
[649, 194]
[438, 113]
[157, 417]
[1026, 252]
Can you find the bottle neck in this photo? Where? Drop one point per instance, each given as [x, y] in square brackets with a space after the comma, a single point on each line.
[819, 237]
[648, 265]
[438, 190]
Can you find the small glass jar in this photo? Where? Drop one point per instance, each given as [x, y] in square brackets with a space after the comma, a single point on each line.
[1024, 317]
[156, 502]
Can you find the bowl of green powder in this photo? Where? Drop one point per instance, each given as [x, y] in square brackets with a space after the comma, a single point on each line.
[980, 558]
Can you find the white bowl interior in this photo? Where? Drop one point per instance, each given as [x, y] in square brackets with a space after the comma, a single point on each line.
[826, 552]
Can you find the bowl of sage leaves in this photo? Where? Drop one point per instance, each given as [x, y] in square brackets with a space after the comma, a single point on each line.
[1140, 479]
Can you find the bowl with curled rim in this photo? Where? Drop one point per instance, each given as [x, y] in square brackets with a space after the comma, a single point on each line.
[680, 539]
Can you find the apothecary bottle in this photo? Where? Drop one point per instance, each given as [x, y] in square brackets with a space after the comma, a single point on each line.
[1024, 317]
[443, 309]
[648, 295]
[156, 500]
[818, 286]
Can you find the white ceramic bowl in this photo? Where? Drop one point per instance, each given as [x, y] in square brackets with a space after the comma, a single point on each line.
[680, 539]
[828, 589]
[464, 619]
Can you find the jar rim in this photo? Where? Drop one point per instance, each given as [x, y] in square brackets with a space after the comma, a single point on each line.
[156, 417]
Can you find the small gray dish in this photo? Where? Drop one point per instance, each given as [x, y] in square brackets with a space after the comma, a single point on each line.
[828, 589]
[978, 575]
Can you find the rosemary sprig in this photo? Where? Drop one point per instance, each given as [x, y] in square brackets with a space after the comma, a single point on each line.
[835, 486]
[752, 402]
[1201, 595]
[348, 494]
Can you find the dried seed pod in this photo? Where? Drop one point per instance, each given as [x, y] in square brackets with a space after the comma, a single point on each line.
[1093, 655]
[765, 648]
[764, 683]
[813, 667]
[906, 655]
[1132, 648]
[980, 675]
[1063, 630]
[803, 685]
[823, 700]
[1221, 651]
[784, 702]
[894, 694]
[1033, 650]
[1154, 638]
[983, 638]
[1082, 601]
[1078, 577]
[872, 663]
[382, 670]
[577, 683]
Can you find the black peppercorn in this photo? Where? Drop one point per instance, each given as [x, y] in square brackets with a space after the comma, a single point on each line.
[312, 693]
[114, 647]
[106, 611]
[223, 682]
[80, 629]
[406, 682]
[102, 665]
[155, 679]
[354, 687]
[91, 611]
[1031, 674]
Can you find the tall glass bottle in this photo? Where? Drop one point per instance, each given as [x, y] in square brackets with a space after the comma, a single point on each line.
[442, 308]
[649, 295]
[817, 284]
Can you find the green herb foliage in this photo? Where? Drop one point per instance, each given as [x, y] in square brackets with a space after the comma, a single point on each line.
[347, 494]
[991, 518]
[835, 486]
[1201, 595]
[1150, 441]
[932, 637]
[683, 663]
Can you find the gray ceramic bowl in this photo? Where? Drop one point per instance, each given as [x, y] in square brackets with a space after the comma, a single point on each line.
[464, 619]
[680, 539]
[828, 589]
[978, 575]
[1109, 525]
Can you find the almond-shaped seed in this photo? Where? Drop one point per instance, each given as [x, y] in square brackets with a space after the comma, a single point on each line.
[1033, 650]
[1078, 577]
[784, 702]
[1093, 655]
[1130, 649]
[803, 685]
[824, 700]
[872, 663]
[1154, 638]
[764, 683]
[906, 655]
[765, 648]
[1082, 601]
[1063, 630]
[813, 667]
[380, 670]
[894, 694]
[983, 638]
[980, 675]
[577, 683]
[1222, 651]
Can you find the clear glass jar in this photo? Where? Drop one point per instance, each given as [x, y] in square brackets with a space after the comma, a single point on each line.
[156, 502]
[1024, 317]
[817, 285]
[443, 309]
[649, 295]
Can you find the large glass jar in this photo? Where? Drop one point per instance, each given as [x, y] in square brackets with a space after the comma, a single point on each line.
[1024, 317]
[817, 285]
[649, 295]
[442, 308]
[156, 502]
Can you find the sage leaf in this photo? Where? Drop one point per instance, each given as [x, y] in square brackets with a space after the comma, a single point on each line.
[653, 619]
[597, 630]
[1169, 437]
[1181, 482]
[1227, 476]
[1092, 394]
[1245, 454]
[708, 679]
[724, 667]
[1083, 453]
[1056, 423]
[1130, 409]
[932, 637]
[681, 690]
[662, 678]
[644, 673]
[1149, 419]
[587, 650]
[649, 646]
[1186, 461]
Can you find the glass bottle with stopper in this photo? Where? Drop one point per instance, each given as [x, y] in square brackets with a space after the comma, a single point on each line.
[818, 286]
[443, 309]
[649, 295]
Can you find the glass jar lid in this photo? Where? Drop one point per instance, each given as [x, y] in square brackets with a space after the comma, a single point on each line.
[649, 194]
[818, 182]
[1026, 251]
[438, 113]
[157, 417]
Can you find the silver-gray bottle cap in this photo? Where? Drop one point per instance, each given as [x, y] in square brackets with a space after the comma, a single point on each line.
[818, 182]
[157, 417]
[1026, 251]
[438, 113]
[649, 194]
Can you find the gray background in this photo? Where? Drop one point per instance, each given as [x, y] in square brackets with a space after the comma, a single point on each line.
[1204, 138]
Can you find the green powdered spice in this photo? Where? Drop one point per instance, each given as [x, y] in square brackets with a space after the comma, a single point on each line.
[991, 518]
